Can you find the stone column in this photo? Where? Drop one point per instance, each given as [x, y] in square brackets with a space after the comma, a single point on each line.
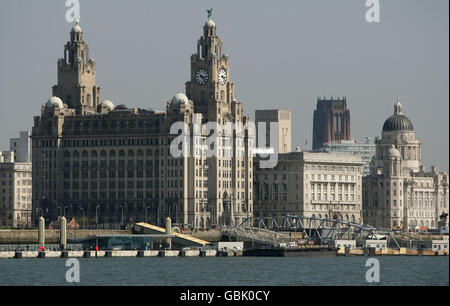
[169, 231]
[41, 233]
[63, 233]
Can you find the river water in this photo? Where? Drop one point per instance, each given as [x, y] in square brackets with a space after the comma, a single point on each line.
[227, 271]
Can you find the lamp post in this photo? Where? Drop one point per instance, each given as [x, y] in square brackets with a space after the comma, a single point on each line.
[82, 210]
[158, 210]
[121, 222]
[147, 207]
[170, 211]
[96, 216]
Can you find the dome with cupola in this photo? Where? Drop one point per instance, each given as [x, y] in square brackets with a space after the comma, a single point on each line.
[398, 121]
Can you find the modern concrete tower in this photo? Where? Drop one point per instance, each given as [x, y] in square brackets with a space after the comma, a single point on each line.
[77, 75]
[283, 120]
[331, 122]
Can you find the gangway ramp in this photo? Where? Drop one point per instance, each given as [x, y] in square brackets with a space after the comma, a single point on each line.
[181, 239]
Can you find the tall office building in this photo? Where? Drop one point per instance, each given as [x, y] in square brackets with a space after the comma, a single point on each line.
[331, 122]
[282, 118]
[366, 149]
[21, 147]
[104, 161]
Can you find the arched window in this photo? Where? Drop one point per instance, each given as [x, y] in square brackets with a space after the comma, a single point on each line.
[94, 154]
[112, 153]
[67, 154]
[88, 100]
[85, 154]
[121, 153]
[149, 152]
[140, 153]
[76, 154]
[103, 153]
[130, 153]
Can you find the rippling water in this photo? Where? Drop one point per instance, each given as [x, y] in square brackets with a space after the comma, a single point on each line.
[227, 271]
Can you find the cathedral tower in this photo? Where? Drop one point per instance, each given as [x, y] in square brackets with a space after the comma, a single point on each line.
[331, 122]
[76, 75]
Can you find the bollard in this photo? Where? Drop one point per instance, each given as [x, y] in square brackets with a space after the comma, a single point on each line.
[221, 253]
[108, 253]
[86, 254]
[140, 253]
[372, 252]
[41, 254]
[366, 251]
[64, 254]
[18, 255]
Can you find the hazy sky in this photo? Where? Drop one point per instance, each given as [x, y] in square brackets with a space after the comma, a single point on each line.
[284, 54]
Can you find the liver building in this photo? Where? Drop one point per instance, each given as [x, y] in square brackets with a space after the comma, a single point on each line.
[399, 192]
[108, 164]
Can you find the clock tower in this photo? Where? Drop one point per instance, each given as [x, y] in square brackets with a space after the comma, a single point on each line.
[210, 87]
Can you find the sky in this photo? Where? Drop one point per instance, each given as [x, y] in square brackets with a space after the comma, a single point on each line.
[284, 54]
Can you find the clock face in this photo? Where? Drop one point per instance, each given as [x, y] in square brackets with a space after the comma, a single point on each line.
[201, 76]
[222, 76]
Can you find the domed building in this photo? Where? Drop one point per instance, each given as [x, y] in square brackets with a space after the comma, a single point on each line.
[115, 163]
[398, 130]
[399, 193]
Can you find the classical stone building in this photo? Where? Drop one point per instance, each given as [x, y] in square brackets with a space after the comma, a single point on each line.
[103, 161]
[15, 191]
[282, 119]
[399, 192]
[331, 122]
[323, 185]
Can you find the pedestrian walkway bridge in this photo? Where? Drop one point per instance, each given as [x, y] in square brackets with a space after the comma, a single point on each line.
[181, 239]
[323, 231]
[254, 234]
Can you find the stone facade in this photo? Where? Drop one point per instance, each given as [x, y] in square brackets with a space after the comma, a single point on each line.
[103, 161]
[399, 192]
[15, 192]
[323, 185]
[331, 122]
